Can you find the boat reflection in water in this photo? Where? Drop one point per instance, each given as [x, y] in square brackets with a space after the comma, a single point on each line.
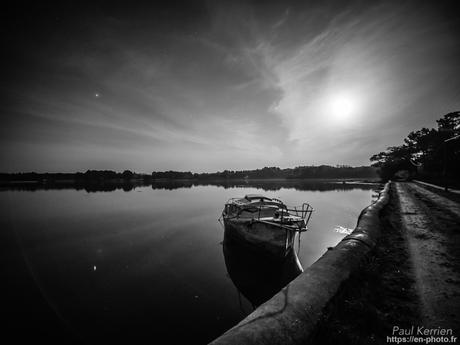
[256, 275]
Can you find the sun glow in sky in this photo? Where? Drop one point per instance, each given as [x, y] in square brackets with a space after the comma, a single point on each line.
[343, 107]
[206, 86]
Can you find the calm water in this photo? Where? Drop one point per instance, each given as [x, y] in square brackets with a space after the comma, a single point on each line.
[148, 264]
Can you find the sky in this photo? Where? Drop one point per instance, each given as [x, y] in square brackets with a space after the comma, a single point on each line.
[206, 86]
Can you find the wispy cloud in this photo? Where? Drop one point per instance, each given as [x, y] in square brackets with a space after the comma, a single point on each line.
[380, 57]
[238, 86]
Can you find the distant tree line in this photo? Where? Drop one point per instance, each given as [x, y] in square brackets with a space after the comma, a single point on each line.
[431, 154]
[90, 176]
[127, 176]
[302, 172]
[267, 185]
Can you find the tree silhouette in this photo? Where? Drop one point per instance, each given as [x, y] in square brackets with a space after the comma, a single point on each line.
[426, 148]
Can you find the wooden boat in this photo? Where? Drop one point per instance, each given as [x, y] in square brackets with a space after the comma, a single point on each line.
[266, 223]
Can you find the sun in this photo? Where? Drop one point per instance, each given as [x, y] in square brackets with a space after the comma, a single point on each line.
[343, 106]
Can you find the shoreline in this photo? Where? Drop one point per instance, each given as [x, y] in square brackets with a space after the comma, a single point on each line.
[127, 185]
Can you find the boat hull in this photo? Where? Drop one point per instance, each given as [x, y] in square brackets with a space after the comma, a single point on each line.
[270, 239]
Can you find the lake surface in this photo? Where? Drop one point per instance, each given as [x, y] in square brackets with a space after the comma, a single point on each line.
[147, 264]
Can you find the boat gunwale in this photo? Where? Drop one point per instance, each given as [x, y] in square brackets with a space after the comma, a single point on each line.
[258, 205]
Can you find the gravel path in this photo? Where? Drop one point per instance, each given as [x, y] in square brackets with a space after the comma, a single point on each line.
[431, 224]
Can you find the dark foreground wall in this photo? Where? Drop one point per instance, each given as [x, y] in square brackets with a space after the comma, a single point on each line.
[290, 317]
